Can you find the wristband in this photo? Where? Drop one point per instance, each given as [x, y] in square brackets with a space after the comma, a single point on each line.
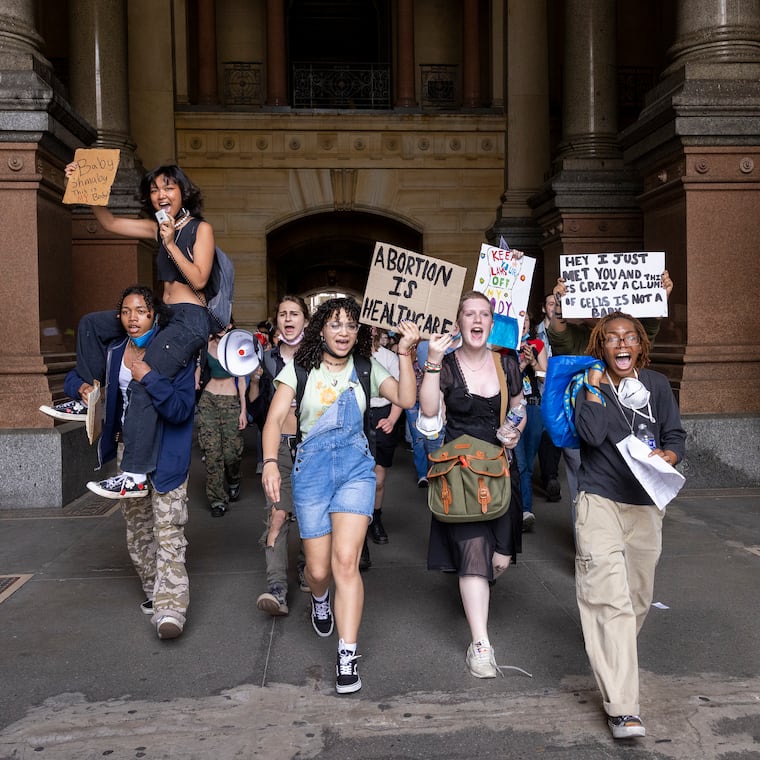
[267, 461]
[401, 353]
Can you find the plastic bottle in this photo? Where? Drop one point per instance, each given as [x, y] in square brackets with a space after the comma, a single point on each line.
[506, 432]
[643, 433]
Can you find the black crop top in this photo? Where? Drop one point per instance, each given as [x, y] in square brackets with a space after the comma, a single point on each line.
[184, 238]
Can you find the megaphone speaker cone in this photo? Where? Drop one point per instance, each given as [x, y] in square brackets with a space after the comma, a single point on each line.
[239, 352]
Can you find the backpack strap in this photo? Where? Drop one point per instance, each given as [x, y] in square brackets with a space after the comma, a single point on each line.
[502, 386]
[363, 367]
[301, 377]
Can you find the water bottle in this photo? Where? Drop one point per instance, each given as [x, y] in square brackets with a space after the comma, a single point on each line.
[643, 433]
[506, 433]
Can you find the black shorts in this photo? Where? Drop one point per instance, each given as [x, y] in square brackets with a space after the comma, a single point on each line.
[385, 444]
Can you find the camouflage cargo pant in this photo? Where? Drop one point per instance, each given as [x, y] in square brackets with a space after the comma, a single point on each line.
[222, 443]
[276, 552]
[156, 543]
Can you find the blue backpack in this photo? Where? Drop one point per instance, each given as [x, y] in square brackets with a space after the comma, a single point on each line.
[565, 378]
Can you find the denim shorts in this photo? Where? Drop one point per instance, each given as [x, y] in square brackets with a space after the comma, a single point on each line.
[328, 479]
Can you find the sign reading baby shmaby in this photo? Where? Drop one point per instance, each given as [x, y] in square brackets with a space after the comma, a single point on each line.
[405, 285]
[600, 283]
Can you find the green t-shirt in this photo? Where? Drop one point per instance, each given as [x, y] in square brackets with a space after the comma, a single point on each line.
[323, 388]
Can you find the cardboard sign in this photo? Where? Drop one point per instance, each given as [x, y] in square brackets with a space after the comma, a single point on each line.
[600, 283]
[91, 183]
[506, 281]
[404, 285]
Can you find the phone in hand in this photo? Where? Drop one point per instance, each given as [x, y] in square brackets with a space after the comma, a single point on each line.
[162, 216]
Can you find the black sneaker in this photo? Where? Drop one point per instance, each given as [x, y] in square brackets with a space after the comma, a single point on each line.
[321, 616]
[234, 491]
[347, 673]
[119, 487]
[147, 607]
[71, 411]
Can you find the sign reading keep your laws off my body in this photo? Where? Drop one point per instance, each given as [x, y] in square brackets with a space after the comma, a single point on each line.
[404, 285]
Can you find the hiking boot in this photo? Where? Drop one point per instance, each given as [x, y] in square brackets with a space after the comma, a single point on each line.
[481, 660]
[168, 627]
[147, 607]
[321, 616]
[553, 490]
[234, 491]
[274, 601]
[625, 726]
[347, 673]
[119, 487]
[376, 529]
[71, 411]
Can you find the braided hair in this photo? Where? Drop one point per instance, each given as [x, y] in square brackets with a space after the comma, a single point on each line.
[598, 337]
[309, 354]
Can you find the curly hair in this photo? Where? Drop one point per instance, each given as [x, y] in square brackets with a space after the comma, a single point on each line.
[309, 354]
[596, 341]
[192, 198]
[153, 302]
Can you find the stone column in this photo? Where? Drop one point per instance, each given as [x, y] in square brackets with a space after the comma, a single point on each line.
[527, 105]
[40, 131]
[589, 108]
[277, 79]
[208, 87]
[405, 55]
[695, 144]
[471, 97]
[100, 91]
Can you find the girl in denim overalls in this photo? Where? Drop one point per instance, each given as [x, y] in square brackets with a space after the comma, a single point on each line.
[333, 475]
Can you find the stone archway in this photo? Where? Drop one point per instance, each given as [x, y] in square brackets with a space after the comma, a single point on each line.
[330, 251]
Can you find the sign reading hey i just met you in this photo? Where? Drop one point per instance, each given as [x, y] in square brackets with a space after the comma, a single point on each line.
[404, 285]
[505, 280]
[600, 283]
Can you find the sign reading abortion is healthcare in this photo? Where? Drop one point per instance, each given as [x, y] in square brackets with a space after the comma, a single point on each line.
[404, 285]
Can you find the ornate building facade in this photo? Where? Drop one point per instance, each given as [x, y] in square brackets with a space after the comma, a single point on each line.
[318, 128]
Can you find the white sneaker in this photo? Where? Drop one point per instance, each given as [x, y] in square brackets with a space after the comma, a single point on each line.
[71, 411]
[626, 726]
[481, 660]
[168, 627]
[528, 520]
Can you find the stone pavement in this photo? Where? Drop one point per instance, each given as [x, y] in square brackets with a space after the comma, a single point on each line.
[83, 675]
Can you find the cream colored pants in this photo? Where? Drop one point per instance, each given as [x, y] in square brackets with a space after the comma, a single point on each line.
[617, 549]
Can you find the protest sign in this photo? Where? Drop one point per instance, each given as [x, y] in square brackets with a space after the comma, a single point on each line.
[600, 283]
[404, 285]
[91, 182]
[505, 281]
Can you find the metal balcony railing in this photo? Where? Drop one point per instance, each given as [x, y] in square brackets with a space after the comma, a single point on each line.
[341, 85]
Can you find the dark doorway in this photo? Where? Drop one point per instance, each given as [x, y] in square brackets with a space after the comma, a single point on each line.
[330, 252]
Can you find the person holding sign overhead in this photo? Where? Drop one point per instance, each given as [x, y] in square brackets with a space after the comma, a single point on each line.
[618, 529]
[468, 383]
[172, 206]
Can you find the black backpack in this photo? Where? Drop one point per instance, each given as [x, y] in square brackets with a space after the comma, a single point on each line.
[363, 368]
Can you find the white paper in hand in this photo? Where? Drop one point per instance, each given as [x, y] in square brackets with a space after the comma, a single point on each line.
[661, 481]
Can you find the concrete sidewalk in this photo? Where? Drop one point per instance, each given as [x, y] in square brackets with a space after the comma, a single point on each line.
[83, 674]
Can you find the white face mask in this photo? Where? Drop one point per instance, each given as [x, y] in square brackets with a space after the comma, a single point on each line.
[632, 393]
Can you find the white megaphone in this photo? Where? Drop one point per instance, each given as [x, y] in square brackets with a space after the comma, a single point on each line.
[239, 352]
